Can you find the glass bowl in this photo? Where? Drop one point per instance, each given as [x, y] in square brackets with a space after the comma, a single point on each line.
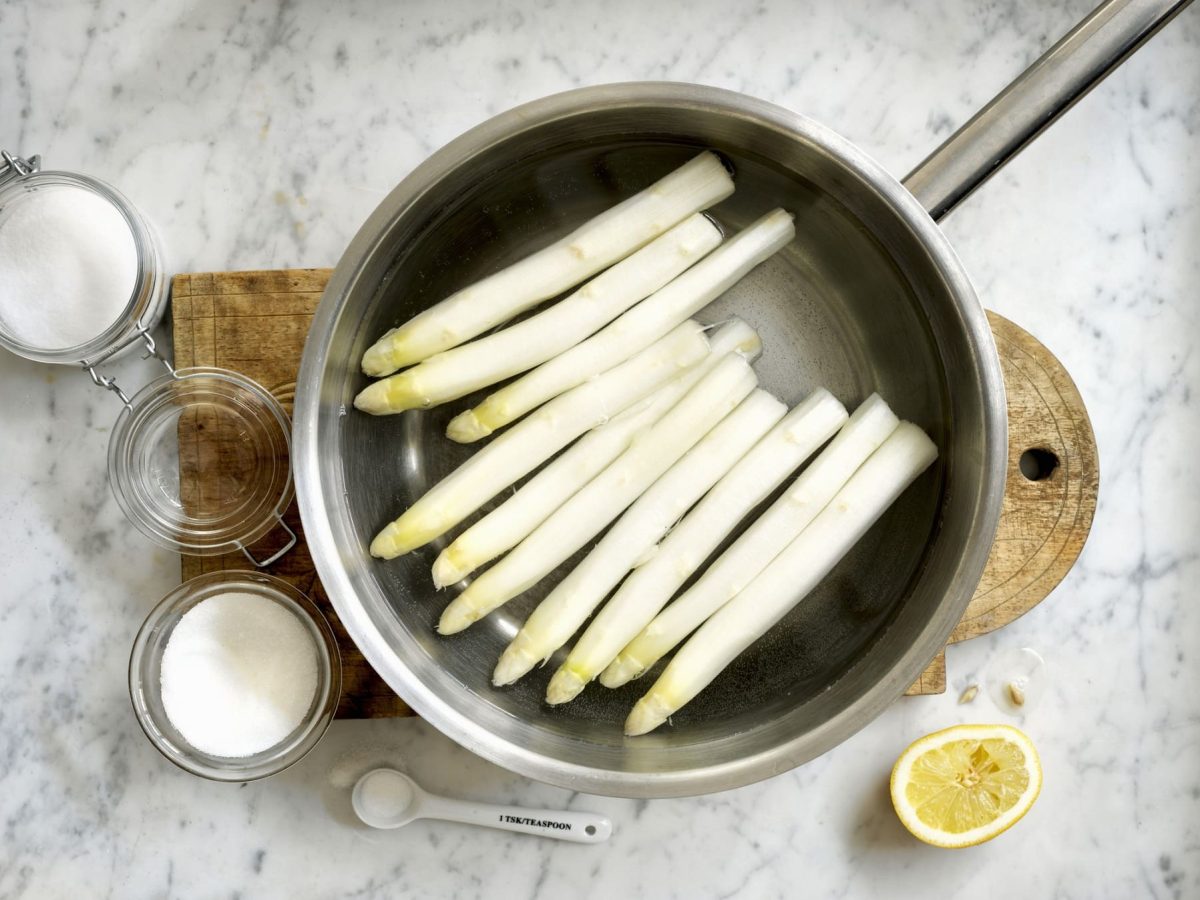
[145, 687]
[210, 421]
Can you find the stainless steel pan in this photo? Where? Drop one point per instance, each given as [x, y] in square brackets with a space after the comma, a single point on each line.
[870, 296]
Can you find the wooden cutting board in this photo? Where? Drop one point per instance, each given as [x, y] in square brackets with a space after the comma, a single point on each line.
[256, 323]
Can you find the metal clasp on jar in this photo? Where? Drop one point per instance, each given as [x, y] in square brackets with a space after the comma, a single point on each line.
[108, 382]
[14, 167]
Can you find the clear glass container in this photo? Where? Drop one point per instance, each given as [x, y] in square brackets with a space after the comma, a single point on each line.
[211, 423]
[145, 678]
[187, 424]
[21, 183]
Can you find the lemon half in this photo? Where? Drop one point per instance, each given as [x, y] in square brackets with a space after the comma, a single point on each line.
[964, 785]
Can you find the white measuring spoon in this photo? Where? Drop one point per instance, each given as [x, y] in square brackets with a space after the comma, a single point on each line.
[386, 798]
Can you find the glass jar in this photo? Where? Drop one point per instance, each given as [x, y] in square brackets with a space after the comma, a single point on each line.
[231, 427]
[145, 677]
[21, 182]
[209, 421]
[199, 462]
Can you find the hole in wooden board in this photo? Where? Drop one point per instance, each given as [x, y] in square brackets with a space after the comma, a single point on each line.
[1038, 463]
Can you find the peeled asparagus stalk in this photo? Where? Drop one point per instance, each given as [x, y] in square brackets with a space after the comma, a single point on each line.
[539, 437]
[461, 370]
[578, 520]
[645, 323]
[793, 440]
[597, 244]
[507, 525]
[789, 578]
[637, 531]
[870, 425]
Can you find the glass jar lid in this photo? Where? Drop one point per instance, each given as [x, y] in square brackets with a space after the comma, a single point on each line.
[199, 462]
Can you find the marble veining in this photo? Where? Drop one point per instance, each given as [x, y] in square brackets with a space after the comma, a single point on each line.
[259, 134]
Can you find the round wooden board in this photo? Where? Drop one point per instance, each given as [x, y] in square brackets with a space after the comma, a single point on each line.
[1046, 520]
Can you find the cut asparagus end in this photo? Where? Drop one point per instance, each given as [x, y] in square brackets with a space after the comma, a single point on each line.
[790, 576]
[749, 344]
[735, 336]
[647, 714]
[564, 686]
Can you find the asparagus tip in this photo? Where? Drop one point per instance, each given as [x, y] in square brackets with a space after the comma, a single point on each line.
[465, 428]
[392, 395]
[446, 569]
[404, 535]
[378, 360]
[564, 686]
[374, 367]
[385, 545]
[456, 617]
[514, 663]
[620, 671]
[648, 713]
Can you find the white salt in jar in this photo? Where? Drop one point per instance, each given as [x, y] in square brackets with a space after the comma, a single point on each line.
[82, 281]
[81, 274]
[235, 675]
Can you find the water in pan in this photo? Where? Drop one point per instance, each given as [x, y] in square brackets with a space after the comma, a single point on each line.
[832, 310]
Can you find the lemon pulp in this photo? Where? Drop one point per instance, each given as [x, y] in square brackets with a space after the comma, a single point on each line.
[963, 784]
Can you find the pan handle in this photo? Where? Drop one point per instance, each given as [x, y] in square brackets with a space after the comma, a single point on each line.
[1037, 97]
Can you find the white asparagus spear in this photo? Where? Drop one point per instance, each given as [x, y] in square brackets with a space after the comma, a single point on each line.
[508, 524]
[595, 245]
[602, 499]
[646, 322]
[640, 527]
[789, 578]
[862, 435]
[797, 436]
[457, 372]
[539, 437]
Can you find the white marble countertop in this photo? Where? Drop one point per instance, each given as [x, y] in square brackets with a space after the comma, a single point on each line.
[260, 135]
